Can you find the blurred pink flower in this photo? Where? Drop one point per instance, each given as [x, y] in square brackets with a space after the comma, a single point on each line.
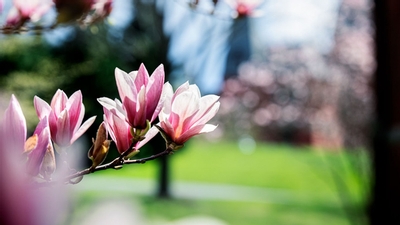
[13, 128]
[14, 198]
[101, 9]
[23, 10]
[244, 8]
[65, 117]
[140, 95]
[32, 9]
[14, 19]
[13, 138]
[186, 113]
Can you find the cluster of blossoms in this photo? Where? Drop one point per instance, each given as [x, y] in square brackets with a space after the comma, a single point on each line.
[129, 121]
[82, 11]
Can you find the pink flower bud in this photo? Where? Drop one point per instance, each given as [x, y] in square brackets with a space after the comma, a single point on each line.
[116, 125]
[13, 140]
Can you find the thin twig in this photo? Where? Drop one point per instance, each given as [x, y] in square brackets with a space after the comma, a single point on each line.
[117, 163]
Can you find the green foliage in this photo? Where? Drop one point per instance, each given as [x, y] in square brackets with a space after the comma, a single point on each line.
[29, 66]
[27, 69]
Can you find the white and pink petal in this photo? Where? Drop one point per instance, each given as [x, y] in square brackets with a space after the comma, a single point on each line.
[83, 128]
[14, 126]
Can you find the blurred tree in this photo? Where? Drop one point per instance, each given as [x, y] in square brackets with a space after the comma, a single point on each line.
[154, 51]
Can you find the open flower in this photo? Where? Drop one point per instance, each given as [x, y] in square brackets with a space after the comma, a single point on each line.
[186, 113]
[120, 131]
[65, 117]
[140, 95]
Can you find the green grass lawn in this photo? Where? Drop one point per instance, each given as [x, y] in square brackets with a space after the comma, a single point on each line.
[325, 187]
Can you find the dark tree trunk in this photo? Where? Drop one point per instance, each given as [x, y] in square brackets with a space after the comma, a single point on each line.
[386, 144]
[239, 46]
[163, 186]
[150, 20]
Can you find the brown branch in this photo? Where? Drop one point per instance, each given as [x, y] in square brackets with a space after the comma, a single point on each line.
[117, 163]
[25, 29]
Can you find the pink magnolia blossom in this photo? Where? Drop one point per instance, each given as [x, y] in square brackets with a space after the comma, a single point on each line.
[116, 125]
[186, 113]
[13, 187]
[65, 117]
[13, 128]
[244, 8]
[23, 10]
[120, 131]
[20, 202]
[13, 139]
[140, 94]
[14, 19]
[32, 9]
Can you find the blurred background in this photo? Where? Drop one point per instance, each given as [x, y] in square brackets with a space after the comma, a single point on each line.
[294, 127]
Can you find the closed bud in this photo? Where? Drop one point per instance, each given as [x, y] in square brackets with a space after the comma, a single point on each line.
[98, 152]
